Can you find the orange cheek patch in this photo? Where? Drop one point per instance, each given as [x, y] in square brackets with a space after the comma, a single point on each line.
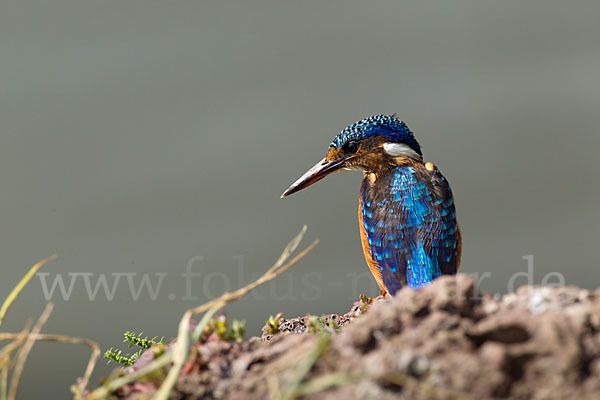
[429, 166]
[333, 154]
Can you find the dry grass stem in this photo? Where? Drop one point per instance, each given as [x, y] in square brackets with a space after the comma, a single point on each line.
[26, 349]
[183, 338]
[179, 354]
[16, 339]
[17, 289]
[25, 340]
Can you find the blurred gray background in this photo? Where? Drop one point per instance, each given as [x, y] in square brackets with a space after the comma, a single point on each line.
[137, 135]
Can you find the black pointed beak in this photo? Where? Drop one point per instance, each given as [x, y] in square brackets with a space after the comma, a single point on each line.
[319, 171]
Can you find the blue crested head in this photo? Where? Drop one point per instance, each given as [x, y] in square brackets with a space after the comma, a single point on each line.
[373, 144]
[393, 129]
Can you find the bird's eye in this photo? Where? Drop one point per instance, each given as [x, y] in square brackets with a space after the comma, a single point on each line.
[350, 147]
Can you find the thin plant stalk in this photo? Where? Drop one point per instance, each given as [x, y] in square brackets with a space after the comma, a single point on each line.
[19, 287]
[183, 339]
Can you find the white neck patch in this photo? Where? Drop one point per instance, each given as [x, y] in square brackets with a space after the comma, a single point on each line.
[399, 150]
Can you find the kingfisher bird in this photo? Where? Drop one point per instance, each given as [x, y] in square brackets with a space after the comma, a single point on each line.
[406, 212]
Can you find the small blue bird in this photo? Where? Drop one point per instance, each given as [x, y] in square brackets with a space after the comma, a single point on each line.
[406, 212]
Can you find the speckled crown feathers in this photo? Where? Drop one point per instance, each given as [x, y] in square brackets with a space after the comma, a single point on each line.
[391, 127]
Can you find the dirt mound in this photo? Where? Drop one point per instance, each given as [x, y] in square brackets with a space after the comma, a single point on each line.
[443, 341]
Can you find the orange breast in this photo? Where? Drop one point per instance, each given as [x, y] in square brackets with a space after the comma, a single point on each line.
[459, 247]
[373, 266]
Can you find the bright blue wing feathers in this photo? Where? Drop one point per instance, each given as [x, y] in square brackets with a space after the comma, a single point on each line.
[410, 221]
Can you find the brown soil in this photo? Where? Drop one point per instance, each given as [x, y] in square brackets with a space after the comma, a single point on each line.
[443, 341]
